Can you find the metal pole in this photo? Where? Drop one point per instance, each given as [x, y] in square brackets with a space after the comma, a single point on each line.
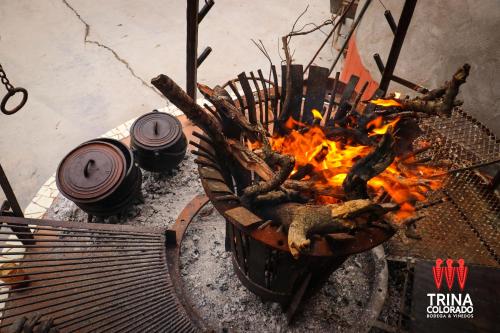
[354, 25]
[192, 47]
[397, 44]
[390, 21]
[397, 79]
[16, 209]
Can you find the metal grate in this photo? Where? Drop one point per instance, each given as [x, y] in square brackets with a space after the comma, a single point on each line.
[91, 278]
[462, 139]
[466, 224]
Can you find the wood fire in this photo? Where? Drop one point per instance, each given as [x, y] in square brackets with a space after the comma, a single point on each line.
[332, 176]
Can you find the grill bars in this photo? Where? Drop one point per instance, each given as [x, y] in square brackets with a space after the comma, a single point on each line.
[90, 278]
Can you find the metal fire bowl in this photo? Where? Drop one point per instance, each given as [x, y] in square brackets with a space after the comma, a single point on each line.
[261, 257]
[218, 188]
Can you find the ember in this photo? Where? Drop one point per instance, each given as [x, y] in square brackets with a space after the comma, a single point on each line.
[330, 161]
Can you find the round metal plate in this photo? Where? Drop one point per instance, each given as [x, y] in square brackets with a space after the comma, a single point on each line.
[91, 171]
[156, 130]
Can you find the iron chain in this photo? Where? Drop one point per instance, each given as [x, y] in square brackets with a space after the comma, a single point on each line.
[5, 80]
[11, 91]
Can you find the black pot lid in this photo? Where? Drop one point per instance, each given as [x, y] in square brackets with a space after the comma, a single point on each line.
[156, 130]
[91, 171]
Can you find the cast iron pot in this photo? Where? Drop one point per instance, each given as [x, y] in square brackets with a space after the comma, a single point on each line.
[100, 177]
[157, 140]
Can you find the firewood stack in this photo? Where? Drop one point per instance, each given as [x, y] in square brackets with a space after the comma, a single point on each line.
[285, 190]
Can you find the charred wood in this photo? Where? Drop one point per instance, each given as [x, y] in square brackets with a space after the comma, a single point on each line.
[355, 184]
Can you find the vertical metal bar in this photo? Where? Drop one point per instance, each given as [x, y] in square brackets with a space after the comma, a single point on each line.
[379, 62]
[16, 209]
[192, 47]
[259, 97]
[332, 98]
[266, 100]
[9, 194]
[353, 27]
[397, 44]
[390, 20]
[360, 94]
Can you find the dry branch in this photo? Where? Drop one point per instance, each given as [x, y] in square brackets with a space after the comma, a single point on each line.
[439, 101]
[315, 188]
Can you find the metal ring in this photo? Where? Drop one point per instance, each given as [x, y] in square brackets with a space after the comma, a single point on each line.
[11, 93]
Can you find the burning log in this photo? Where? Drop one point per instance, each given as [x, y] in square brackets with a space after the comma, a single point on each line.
[439, 101]
[315, 188]
[302, 171]
[230, 148]
[302, 220]
[348, 134]
[355, 184]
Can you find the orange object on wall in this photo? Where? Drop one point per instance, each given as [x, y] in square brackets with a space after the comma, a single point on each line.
[354, 66]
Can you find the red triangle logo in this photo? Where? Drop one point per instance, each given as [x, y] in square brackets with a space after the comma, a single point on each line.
[449, 273]
[462, 272]
[437, 271]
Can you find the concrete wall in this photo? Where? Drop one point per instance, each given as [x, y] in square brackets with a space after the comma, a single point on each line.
[87, 65]
[442, 36]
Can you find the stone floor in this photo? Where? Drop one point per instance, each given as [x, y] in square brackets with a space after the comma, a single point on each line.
[87, 66]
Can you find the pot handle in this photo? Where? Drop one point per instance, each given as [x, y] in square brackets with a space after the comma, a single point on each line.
[156, 128]
[87, 167]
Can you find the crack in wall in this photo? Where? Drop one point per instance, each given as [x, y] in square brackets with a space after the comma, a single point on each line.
[86, 40]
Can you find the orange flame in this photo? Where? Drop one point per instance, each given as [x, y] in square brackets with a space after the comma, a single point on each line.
[317, 114]
[379, 128]
[385, 102]
[332, 161]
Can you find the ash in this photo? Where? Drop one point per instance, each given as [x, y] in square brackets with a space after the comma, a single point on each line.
[225, 304]
[164, 197]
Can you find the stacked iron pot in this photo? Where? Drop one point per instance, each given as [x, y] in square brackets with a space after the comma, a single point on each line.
[100, 176]
[157, 141]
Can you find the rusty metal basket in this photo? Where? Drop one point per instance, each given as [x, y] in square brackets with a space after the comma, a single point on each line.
[261, 257]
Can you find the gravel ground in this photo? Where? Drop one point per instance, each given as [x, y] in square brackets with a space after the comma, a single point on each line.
[226, 304]
[209, 280]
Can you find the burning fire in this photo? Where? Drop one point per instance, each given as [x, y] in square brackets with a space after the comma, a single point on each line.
[385, 102]
[331, 161]
[377, 126]
[317, 114]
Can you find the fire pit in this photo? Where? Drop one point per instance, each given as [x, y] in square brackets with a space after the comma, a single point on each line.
[293, 218]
